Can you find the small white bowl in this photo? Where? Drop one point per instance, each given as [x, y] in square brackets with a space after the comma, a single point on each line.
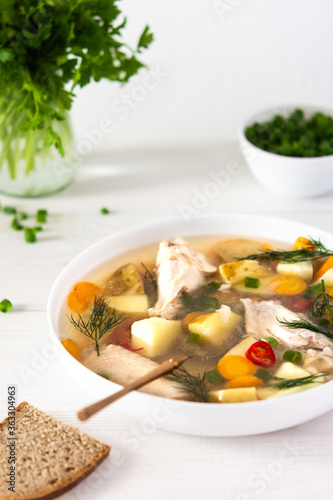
[187, 417]
[304, 177]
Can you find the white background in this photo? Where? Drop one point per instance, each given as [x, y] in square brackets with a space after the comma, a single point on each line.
[222, 60]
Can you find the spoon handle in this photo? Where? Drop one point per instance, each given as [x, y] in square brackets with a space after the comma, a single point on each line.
[159, 371]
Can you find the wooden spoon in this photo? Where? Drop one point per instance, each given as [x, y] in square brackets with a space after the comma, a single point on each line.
[162, 369]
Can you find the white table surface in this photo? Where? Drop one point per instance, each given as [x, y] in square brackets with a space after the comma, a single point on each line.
[143, 186]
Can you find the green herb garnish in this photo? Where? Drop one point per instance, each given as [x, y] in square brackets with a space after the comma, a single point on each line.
[271, 341]
[23, 215]
[294, 135]
[41, 216]
[296, 382]
[214, 377]
[5, 306]
[9, 210]
[303, 323]
[100, 321]
[298, 255]
[321, 304]
[211, 287]
[193, 338]
[251, 282]
[16, 224]
[199, 302]
[195, 385]
[30, 235]
[104, 211]
[150, 283]
[293, 357]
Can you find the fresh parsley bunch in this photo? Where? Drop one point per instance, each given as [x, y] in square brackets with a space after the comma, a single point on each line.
[46, 45]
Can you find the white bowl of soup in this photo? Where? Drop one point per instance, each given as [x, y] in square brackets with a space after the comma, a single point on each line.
[247, 373]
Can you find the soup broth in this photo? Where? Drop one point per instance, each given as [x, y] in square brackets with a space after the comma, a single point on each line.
[230, 304]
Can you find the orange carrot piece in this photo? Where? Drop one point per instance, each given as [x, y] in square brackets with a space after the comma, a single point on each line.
[302, 242]
[86, 292]
[266, 246]
[288, 285]
[232, 366]
[244, 381]
[76, 304]
[72, 347]
[328, 264]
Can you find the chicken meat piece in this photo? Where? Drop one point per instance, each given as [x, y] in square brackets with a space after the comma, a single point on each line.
[179, 269]
[262, 321]
[123, 367]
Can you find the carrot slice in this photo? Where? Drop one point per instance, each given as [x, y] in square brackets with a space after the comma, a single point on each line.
[288, 285]
[232, 366]
[266, 246]
[76, 304]
[328, 264]
[244, 381]
[86, 292]
[302, 242]
[72, 347]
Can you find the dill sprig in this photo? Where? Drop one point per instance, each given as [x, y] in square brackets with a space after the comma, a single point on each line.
[283, 383]
[303, 323]
[195, 385]
[296, 382]
[322, 301]
[99, 322]
[150, 283]
[298, 255]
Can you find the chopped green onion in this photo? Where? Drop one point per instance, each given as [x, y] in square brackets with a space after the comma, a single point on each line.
[214, 377]
[211, 303]
[30, 235]
[23, 215]
[193, 338]
[293, 356]
[41, 216]
[37, 228]
[104, 375]
[16, 225]
[265, 375]
[211, 287]
[105, 211]
[271, 341]
[9, 210]
[5, 306]
[251, 282]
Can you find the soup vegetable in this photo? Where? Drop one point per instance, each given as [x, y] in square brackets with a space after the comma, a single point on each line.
[294, 135]
[255, 321]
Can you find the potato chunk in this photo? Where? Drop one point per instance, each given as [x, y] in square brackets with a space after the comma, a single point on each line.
[215, 327]
[236, 248]
[303, 270]
[241, 348]
[129, 303]
[154, 335]
[239, 395]
[291, 371]
[126, 280]
[235, 272]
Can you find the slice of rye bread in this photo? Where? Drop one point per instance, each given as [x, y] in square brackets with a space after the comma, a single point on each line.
[51, 457]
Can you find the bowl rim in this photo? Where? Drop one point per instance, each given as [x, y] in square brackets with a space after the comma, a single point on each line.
[288, 108]
[275, 402]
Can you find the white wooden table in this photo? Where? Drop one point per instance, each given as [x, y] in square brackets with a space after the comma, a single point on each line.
[146, 463]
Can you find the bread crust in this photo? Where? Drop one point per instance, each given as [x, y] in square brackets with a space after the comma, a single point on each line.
[54, 492]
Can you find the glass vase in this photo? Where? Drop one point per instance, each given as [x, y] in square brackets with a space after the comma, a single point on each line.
[31, 168]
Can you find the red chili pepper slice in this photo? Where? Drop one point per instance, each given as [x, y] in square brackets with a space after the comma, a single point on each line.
[261, 353]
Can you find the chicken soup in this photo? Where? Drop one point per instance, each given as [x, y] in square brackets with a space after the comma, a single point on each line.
[255, 320]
